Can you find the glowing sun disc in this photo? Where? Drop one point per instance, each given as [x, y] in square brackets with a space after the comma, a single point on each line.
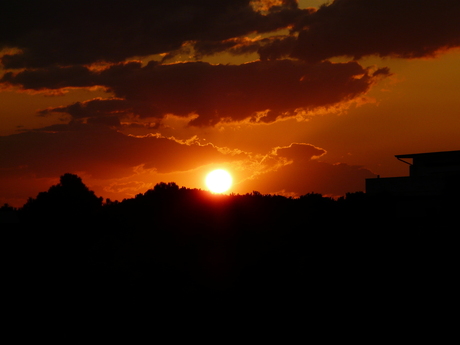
[218, 181]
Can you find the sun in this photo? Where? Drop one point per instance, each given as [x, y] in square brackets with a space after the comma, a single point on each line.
[219, 181]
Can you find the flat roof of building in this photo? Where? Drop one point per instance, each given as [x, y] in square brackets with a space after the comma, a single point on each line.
[449, 154]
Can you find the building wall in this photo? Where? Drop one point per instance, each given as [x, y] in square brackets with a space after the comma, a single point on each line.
[407, 186]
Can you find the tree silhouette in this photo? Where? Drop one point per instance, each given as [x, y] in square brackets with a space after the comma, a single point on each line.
[8, 214]
[69, 201]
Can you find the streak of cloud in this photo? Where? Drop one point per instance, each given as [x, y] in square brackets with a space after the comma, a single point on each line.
[100, 152]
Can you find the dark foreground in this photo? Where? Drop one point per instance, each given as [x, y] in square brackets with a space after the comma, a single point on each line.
[174, 246]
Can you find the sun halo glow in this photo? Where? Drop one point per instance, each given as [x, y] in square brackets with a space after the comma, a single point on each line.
[219, 181]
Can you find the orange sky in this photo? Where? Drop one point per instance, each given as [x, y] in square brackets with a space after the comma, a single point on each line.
[290, 100]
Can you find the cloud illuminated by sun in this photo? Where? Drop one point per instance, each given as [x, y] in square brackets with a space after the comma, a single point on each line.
[264, 5]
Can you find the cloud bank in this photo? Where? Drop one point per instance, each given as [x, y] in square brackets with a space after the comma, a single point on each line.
[83, 32]
[214, 92]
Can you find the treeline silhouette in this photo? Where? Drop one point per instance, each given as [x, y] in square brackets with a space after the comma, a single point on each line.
[179, 243]
[166, 205]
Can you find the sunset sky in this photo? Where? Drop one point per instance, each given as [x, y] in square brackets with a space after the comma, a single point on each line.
[289, 96]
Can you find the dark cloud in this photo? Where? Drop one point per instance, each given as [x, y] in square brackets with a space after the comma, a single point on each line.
[109, 111]
[276, 48]
[52, 77]
[214, 92]
[97, 107]
[233, 46]
[398, 28]
[82, 32]
[268, 48]
[99, 152]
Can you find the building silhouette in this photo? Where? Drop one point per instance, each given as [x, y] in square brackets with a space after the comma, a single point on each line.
[432, 182]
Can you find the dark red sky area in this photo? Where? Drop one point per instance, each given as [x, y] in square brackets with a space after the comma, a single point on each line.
[291, 97]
